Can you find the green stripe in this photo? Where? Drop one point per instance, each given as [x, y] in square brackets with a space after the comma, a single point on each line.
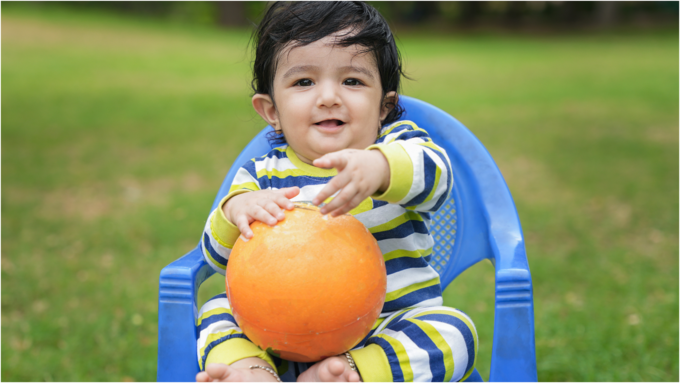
[407, 216]
[250, 186]
[411, 288]
[400, 253]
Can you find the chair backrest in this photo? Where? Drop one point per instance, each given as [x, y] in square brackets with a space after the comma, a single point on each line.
[459, 227]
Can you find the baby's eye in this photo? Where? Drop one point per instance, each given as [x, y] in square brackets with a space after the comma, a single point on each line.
[304, 82]
[352, 82]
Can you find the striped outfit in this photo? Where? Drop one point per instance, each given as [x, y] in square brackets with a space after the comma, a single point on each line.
[415, 338]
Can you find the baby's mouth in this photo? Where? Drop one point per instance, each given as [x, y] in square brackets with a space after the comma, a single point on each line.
[330, 123]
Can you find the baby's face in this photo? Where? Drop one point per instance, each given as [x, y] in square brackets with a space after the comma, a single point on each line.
[328, 98]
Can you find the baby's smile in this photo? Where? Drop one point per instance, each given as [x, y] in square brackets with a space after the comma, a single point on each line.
[330, 124]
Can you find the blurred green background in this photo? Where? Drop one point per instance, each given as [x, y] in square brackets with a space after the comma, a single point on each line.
[120, 121]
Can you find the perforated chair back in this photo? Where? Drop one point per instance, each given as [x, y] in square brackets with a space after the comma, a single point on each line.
[478, 221]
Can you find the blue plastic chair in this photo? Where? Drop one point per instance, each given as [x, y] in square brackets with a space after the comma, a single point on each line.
[478, 221]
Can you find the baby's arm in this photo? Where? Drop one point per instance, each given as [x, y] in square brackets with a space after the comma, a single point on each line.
[361, 173]
[416, 173]
[246, 198]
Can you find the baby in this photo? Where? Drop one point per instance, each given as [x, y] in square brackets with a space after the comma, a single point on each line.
[326, 78]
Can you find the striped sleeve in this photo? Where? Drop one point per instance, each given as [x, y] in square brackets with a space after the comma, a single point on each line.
[219, 235]
[420, 170]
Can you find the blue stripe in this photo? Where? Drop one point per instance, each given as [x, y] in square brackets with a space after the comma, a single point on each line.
[362, 343]
[218, 258]
[413, 298]
[250, 168]
[402, 263]
[423, 341]
[411, 133]
[216, 342]
[217, 318]
[301, 181]
[377, 203]
[430, 170]
[397, 373]
[398, 129]
[274, 153]
[404, 230]
[462, 327]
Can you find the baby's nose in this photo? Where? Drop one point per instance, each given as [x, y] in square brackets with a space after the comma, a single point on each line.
[329, 95]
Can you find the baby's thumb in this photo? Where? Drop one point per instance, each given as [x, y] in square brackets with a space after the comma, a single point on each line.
[290, 192]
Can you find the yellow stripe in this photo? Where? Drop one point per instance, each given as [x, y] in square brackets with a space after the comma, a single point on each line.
[404, 361]
[364, 206]
[212, 260]
[251, 186]
[401, 172]
[431, 145]
[400, 253]
[372, 363]
[411, 288]
[284, 173]
[215, 311]
[210, 339]
[441, 344]
[222, 230]
[391, 224]
[236, 349]
[400, 123]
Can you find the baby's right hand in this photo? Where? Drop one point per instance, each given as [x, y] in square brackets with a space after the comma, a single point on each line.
[261, 205]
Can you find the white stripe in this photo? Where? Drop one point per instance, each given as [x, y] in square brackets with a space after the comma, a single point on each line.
[444, 308]
[412, 242]
[308, 192]
[409, 277]
[243, 176]
[454, 338]
[214, 328]
[415, 152]
[214, 304]
[221, 250]
[274, 163]
[418, 358]
[380, 215]
[429, 303]
[440, 188]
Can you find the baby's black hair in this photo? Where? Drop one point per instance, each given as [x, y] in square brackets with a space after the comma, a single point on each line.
[302, 23]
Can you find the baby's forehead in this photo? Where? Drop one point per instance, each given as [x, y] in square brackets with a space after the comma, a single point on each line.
[326, 50]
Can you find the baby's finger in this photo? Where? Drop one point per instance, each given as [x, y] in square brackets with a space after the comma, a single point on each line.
[331, 160]
[262, 215]
[288, 192]
[244, 226]
[340, 200]
[346, 208]
[273, 208]
[336, 183]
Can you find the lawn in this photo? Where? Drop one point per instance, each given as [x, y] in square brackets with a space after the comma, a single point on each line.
[116, 134]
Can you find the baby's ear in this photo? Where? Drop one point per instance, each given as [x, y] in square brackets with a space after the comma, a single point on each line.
[264, 106]
[389, 102]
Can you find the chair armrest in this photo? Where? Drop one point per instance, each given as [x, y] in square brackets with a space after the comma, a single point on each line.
[513, 357]
[177, 311]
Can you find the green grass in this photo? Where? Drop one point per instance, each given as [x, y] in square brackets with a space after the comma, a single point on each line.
[117, 133]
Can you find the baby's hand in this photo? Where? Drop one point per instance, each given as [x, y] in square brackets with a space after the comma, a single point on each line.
[261, 205]
[361, 173]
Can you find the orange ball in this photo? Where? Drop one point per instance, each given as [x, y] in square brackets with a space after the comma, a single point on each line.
[308, 288]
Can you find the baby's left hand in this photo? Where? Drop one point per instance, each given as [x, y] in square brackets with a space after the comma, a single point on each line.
[361, 173]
